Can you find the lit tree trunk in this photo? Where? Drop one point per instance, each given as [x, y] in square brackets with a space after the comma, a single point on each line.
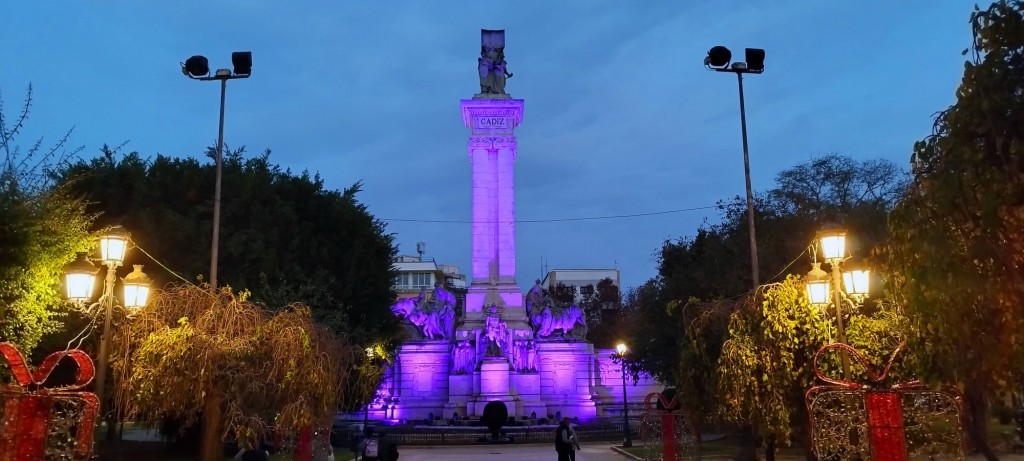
[211, 448]
[977, 419]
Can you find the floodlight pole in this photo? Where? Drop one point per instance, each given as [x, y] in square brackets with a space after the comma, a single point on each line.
[214, 245]
[739, 69]
[750, 195]
[216, 187]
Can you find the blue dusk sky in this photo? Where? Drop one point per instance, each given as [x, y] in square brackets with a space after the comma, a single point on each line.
[620, 118]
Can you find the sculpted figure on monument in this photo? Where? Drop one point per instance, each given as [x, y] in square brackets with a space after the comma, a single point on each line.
[434, 318]
[442, 305]
[495, 333]
[531, 356]
[491, 65]
[463, 360]
[569, 319]
[534, 299]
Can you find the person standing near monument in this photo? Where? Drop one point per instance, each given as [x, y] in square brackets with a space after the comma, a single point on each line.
[565, 442]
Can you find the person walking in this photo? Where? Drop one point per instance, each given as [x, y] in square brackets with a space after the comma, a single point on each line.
[575, 443]
[565, 444]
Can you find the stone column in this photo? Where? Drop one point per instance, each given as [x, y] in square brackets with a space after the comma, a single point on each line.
[492, 151]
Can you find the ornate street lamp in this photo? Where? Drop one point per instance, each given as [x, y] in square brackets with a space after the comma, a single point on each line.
[628, 440]
[198, 68]
[113, 245]
[818, 285]
[136, 288]
[846, 288]
[80, 278]
[856, 280]
[718, 60]
[833, 243]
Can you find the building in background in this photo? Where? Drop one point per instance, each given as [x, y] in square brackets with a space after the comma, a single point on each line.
[583, 281]
[415, 273]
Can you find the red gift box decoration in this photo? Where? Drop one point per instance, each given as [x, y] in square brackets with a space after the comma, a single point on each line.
[666, 430]
[851, 420]
[41, 423]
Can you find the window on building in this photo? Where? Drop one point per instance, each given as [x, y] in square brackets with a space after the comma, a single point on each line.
[421, 279]
[586, 290]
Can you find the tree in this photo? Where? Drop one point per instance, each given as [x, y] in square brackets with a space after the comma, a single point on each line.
[766, 363]
[958, 233]
[603, 306]
[713, 264]
[244, 368]
[41, 229]
[284, 236]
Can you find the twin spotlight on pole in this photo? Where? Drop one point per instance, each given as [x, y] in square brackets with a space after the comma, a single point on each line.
[718, 59]
[198, 68]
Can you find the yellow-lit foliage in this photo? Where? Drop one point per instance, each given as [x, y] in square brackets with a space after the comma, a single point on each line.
[263, 369]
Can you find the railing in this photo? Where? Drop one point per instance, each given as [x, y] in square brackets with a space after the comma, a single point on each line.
[512, 434]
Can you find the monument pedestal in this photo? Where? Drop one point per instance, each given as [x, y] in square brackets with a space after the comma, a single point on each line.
[492, 384]
[460, 391]
[526, 387]
[422, 378]
[566, 375]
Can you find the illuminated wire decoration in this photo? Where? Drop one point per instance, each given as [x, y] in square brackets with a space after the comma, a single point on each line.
[665, 430]
[40, 422]
[862, 421]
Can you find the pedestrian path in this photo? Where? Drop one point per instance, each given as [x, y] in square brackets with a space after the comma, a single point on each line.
[590, 452]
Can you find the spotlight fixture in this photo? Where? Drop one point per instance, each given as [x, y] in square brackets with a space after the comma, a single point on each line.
[242, 61]
[196, 66]
[718, 57]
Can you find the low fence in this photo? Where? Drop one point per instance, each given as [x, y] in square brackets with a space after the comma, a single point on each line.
[514, 434]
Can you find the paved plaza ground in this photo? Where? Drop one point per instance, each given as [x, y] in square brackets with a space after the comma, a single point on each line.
[590, 452]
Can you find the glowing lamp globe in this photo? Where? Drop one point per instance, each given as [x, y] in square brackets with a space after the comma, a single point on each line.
[856, 281]
[818, 286]
[833, 243]
[621, 349]
[80, 278]
[113, 245]
[136, 288]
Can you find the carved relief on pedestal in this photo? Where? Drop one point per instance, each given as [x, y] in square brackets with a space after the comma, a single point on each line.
[564, 378]
[609, 373]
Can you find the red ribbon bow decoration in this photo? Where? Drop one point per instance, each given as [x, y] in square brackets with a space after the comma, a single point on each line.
[851, 419]
[29, 407]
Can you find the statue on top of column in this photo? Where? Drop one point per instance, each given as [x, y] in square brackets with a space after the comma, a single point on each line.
[491, 64]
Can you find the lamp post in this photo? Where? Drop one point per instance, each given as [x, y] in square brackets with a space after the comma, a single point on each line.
[366, 408]
[80, 278]
[628, 440]
[824, 288]
[718, 60]
[198, 68]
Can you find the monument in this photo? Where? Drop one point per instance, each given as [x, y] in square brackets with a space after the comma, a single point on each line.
[529, 353]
